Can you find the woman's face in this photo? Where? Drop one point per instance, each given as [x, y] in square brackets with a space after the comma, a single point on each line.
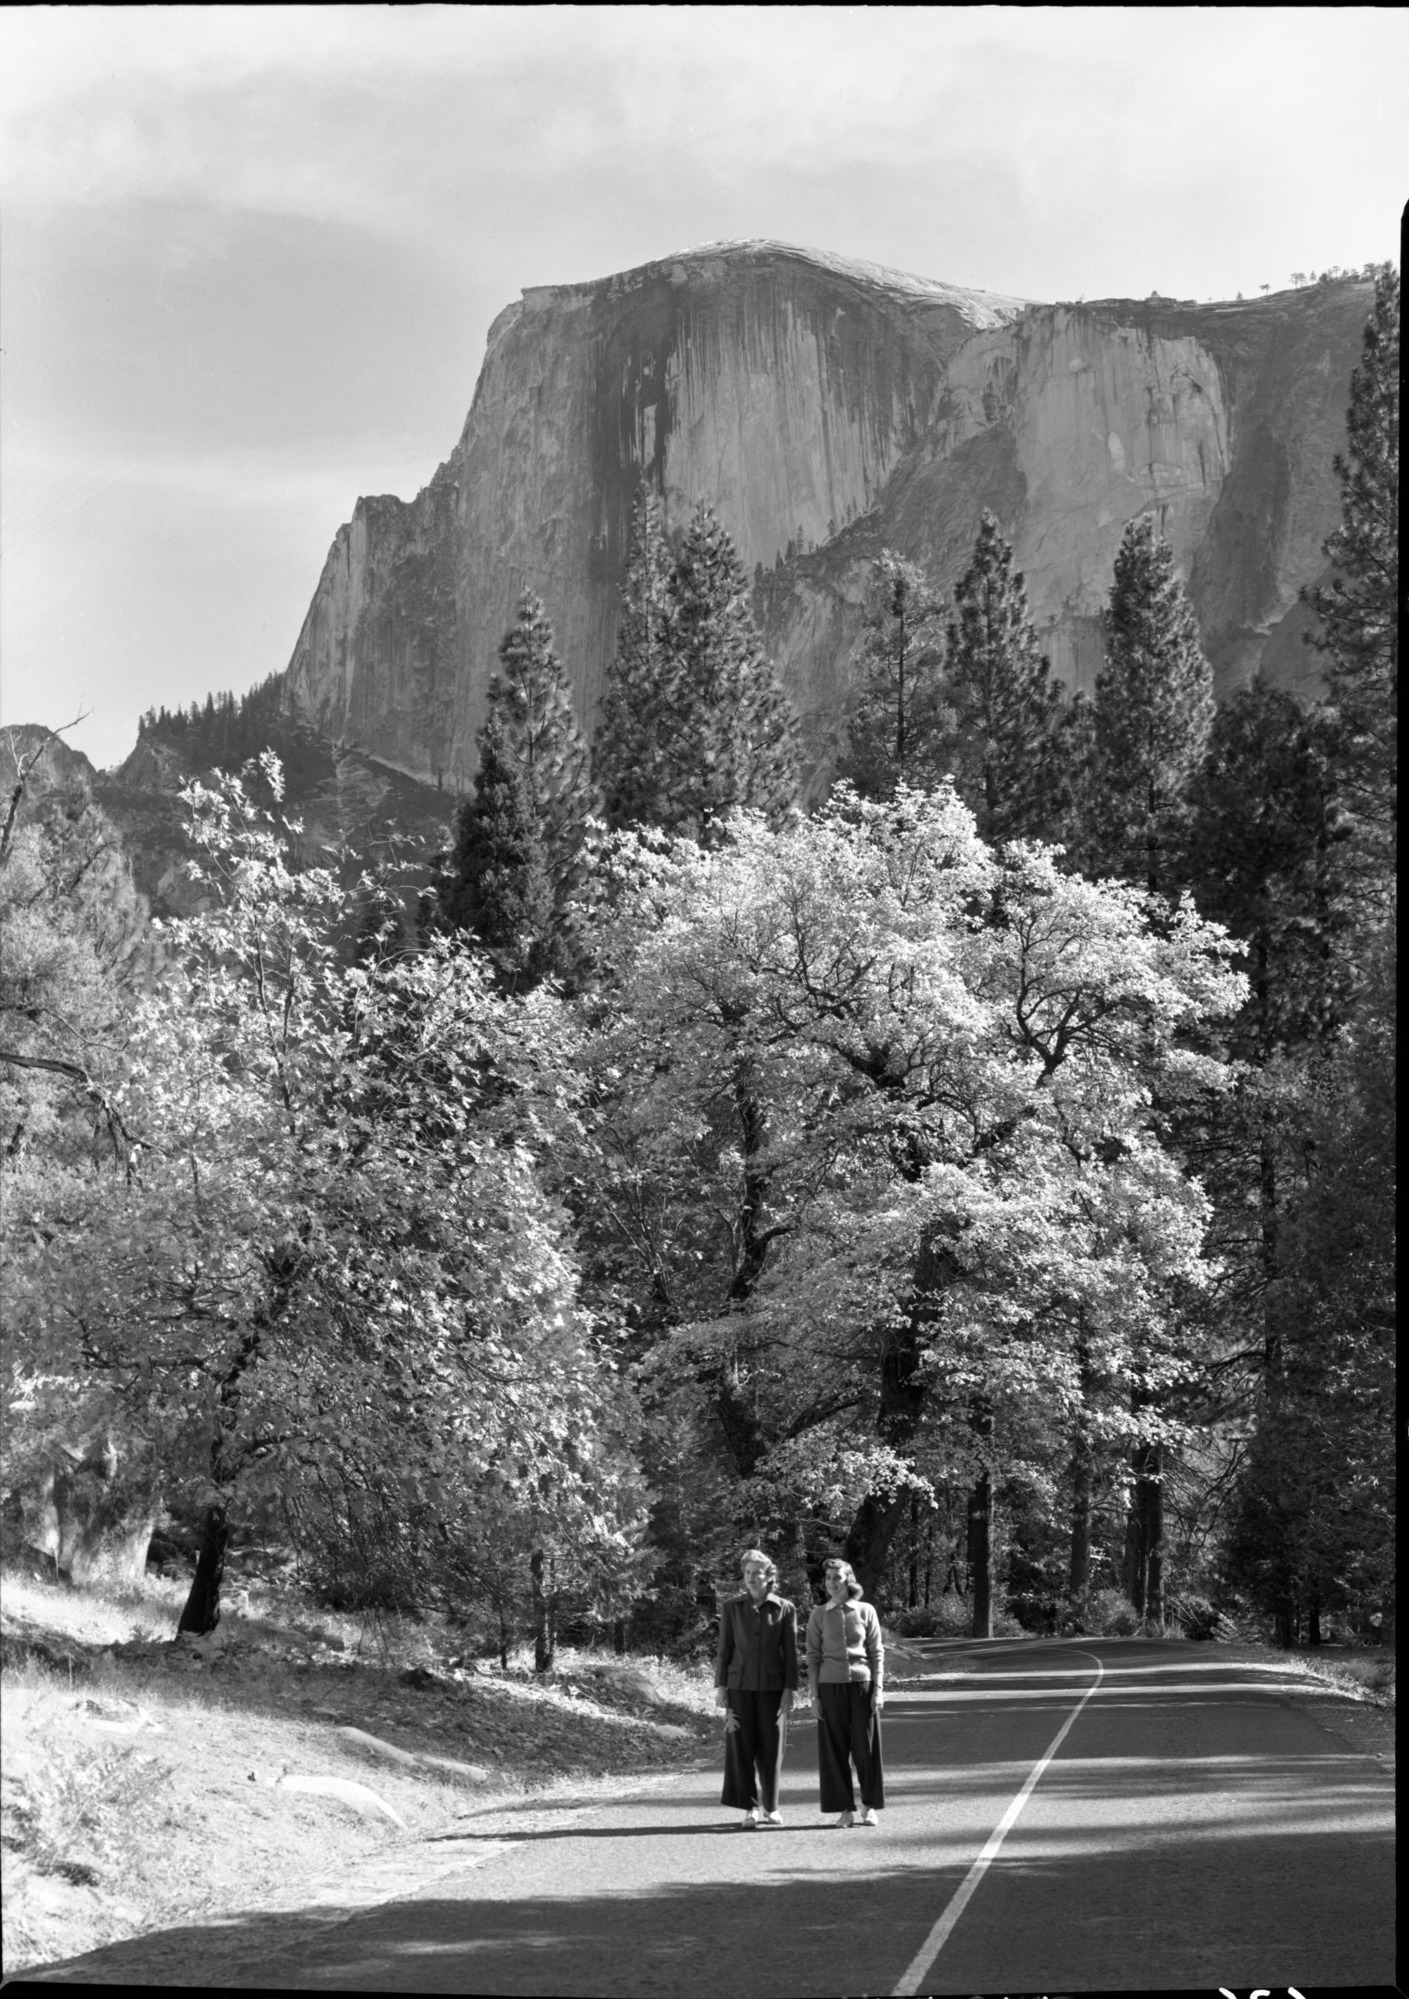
[835, 1577]
[756, 1580]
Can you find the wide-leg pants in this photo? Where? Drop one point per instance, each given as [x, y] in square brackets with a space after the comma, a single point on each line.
[849, 1731]
[753, 1752]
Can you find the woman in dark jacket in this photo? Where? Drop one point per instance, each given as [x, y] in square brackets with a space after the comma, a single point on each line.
[755, 1679]
[845, 1673]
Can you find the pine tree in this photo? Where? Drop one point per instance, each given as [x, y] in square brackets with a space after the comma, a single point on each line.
[1359, 608]
[1147, 726]
[531, 704]
[730, 736]
[627, 757]
[712, 729]
[1264, 857]
[498, 884]
[997, 730]
[895, 669]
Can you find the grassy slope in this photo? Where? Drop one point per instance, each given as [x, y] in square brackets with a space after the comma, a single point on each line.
[142, 1784]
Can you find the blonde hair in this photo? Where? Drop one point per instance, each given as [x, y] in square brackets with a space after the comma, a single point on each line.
[757, 1555]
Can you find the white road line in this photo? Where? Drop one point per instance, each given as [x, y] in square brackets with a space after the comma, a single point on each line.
[934, 1943]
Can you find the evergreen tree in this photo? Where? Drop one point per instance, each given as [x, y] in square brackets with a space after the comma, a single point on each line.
[895, 678]
[499, 883]
[1264, 857]
[997, 730]
[1145, 731]
[627, 757]
[711, 729]
[531, 704]
[1359, 608]
[729, 735]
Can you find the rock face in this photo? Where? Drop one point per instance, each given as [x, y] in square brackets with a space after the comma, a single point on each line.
[828, 408]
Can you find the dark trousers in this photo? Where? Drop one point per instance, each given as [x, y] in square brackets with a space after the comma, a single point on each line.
[753, 1752]
[849, 1731]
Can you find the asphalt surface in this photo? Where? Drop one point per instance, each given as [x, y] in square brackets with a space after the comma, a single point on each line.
[1196, 1827]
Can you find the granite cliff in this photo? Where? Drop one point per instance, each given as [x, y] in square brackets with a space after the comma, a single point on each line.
[829, 407]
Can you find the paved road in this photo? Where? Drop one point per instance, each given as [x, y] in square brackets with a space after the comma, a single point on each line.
[1195, 1828]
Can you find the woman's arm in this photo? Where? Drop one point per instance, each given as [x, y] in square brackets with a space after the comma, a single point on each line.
[875, 1653]
[725, 1648]
[788, 1635]
[814, 1652]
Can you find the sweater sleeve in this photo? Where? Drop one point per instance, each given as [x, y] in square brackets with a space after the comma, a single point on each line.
[789, 1637]
[725, 1647]
[875, 1649]
[814, 1651]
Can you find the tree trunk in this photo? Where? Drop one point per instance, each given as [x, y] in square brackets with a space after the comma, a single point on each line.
[504, 1636]
[1283, 1611]
[1143, 1574]
[1082, 1481]
[544, 1633]
[981, 1554]
[869, 1538]
[912, 1596]
[202, 1612]
[619, 1636]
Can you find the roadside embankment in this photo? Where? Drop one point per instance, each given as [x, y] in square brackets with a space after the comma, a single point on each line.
[147, 1782]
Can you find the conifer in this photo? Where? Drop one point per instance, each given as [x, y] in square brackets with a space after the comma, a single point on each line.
[499, 883]
[728, 733]
[1148, 723]
[694, 722]
[530, 702]
[1358, 609]
[996, 731]
[894, 703]
[1264, 857]
[627, 757]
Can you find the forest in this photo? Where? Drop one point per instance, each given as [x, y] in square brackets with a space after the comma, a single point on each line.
[980, 1165]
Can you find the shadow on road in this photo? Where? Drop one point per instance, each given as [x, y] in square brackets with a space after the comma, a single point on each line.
[1266, 1916]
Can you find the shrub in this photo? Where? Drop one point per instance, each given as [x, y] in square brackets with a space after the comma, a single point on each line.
[949, 1616]
[1105, 1613]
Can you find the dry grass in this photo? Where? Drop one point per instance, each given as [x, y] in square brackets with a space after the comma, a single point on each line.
[1367, 1675]
[142, 1780]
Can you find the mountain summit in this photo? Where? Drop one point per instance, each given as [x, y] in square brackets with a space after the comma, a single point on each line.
[828, 407]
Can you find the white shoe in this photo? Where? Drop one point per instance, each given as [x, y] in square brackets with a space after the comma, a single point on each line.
[868, 1817]
[750, 1823]
[845, 1819]
[770, 1818]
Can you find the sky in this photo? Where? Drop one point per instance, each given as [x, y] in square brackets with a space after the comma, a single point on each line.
[249, 256]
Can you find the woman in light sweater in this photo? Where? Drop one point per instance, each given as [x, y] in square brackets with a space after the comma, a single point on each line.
[845, 1668]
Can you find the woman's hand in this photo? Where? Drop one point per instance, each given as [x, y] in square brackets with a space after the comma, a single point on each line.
[878, 1699]
[785, 1706]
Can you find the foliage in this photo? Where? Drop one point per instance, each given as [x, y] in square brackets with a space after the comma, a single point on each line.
[1358, 609]
[996, 728]
[73, 941]
[713, 730]
[629, 758]
[531, 703]
[1142, 737]
[1265, 858]
[1315, 1515]
[876, 1120]
[498, 885]
[330, 1267]
[895, 670]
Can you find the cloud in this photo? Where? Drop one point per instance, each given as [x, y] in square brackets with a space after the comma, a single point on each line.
[401, 119]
